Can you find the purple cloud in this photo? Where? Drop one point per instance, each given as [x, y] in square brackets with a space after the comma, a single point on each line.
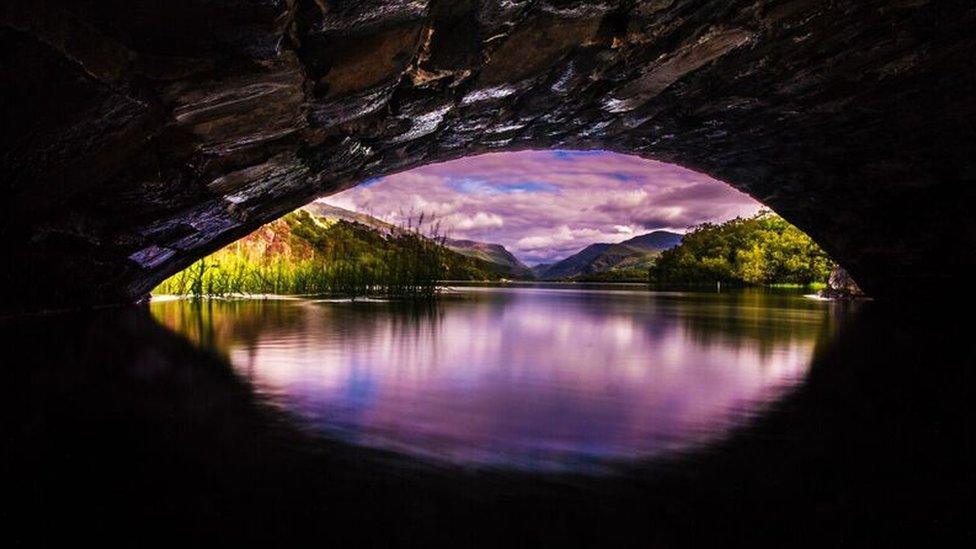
[544, 205]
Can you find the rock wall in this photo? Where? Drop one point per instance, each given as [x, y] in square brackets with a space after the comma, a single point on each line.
[140, 135]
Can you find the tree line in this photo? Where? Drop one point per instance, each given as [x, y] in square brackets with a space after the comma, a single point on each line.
[762, 249]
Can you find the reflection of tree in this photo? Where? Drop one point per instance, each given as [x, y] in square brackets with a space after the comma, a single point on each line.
[758, 318]
[753, 317]
[220, 324]
[364, 319]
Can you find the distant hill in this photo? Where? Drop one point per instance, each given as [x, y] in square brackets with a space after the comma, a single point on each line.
[541, 268]
[636, 254]
[497, 259]
[575, 264]
[495, 254]
[656, 241]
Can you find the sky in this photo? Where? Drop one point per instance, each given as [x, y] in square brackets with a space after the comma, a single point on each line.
[546, 205]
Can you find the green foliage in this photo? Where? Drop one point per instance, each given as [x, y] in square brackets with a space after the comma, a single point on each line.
[616, 275]
[763, 249]
[300, 254]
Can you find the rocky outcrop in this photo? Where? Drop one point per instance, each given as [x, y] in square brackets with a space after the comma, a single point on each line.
[840, 285]
[139, 135]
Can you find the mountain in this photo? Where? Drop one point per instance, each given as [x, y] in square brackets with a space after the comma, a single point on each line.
[575, 264]
[304, 236]
[628, 257]
[497, 259]
[636, 254]
[302, 253]
[541, 268]
[656, 241]
[495, 254]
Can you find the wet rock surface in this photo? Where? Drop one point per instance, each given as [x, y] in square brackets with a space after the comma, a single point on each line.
[139, 136]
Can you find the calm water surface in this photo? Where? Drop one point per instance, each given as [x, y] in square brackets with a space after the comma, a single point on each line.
[536, 378]
[566, 416]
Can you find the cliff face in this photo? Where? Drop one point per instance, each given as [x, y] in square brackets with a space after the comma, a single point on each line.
[139, 135]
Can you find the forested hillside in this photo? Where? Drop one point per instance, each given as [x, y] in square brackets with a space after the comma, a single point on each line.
[763, 249]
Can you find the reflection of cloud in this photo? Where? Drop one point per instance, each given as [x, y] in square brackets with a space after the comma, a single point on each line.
[544, 205]
[539, 379]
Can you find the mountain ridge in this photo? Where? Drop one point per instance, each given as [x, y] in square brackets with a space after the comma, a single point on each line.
[636, 253]
[494, 254]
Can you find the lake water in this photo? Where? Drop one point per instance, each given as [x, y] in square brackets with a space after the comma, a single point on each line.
[535, 378]
[564, 415]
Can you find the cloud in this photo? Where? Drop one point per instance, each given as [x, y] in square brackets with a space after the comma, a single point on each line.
[625, 201]
[532, 243]
[481, 220]
[544, 205]
[480, 186]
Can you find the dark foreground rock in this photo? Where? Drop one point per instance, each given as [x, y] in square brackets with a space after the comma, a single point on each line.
[139, 135]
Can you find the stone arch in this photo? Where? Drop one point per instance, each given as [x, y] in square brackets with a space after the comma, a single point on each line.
[138, 137]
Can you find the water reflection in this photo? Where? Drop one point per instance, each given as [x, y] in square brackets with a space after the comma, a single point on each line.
[535, 379]
[119, 429]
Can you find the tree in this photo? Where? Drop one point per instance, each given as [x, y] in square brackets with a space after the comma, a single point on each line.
[762, 249]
